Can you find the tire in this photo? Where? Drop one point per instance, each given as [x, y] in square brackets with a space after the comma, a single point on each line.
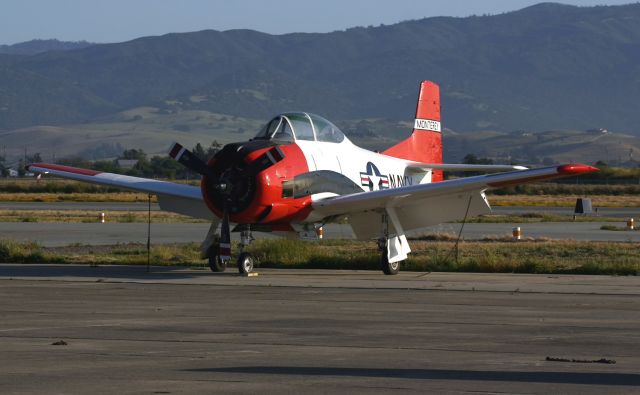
[389, 268]
[216, 264]
[245, 263]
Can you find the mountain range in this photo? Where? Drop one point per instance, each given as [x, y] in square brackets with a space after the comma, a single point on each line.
[33, 47]
[545, 67]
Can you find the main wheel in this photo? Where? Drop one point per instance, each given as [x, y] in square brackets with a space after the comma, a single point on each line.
[216, 264]
[245, 263]
[388, 268]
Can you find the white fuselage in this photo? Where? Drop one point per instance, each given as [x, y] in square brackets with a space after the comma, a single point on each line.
[371, 171]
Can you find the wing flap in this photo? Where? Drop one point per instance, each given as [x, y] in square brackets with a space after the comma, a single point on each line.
[417, 215]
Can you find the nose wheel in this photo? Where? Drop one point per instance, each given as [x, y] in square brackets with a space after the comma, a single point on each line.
[245, 259]
[245, 263]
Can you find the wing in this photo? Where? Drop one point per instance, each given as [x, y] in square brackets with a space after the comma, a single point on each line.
[418, 206]
[177, 198]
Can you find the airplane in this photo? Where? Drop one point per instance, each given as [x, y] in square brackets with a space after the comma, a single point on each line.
[300, 172]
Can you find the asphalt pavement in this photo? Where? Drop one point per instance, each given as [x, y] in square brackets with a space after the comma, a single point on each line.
[76, 329]
[61, 234]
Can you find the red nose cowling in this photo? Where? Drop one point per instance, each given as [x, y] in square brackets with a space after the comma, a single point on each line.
[253, 185]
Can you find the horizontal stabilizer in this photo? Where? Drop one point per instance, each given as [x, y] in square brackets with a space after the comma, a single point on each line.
[462, 167]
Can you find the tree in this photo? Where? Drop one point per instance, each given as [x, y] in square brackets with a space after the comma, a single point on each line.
[213, 149]
[141, 168]
[3, 168]
[198, 151]
[601, 163]
[34, 158]
[471, 159]
[134, 154]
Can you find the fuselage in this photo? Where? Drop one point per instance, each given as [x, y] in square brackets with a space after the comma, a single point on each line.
[275, 181]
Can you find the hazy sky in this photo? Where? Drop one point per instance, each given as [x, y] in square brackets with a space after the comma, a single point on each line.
[121, 20]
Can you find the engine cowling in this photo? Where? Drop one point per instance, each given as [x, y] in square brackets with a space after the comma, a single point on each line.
[249, 177]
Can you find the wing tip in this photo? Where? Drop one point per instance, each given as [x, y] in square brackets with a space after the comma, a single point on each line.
[55, 167]
[576, 168]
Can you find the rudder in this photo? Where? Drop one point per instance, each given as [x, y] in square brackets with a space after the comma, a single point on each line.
[425, 143]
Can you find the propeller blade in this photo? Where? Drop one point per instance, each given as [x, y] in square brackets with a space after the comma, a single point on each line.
[266, 160]
[225, 235]
[188, 159]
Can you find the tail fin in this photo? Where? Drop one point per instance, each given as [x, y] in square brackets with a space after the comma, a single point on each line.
[425, 143]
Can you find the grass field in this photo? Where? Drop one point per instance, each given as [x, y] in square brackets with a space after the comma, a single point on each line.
[563, 201]
[84, 216]
[124, 197]
[553, 257]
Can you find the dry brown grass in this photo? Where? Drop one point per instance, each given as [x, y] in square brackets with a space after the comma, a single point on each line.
[563, 201]
[126, 197]
[495, 200]
[92, 216]
[497, 256]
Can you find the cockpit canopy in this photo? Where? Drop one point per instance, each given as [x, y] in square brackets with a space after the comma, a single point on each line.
[296, 126]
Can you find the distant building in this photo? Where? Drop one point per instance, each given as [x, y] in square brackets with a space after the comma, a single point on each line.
[127, 163]
[598, 130]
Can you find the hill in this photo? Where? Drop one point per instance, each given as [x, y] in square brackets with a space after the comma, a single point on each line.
[545, 67]
[153, 129]
[38, 46]
[549, 147]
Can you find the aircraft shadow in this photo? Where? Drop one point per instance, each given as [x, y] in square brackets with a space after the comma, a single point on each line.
[133, 272]
[590, 378]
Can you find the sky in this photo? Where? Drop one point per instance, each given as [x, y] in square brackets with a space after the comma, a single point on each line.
[105, 21]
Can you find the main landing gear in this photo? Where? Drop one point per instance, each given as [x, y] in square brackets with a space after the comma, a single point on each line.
[387, 267]
[217, 264]
[393, 249]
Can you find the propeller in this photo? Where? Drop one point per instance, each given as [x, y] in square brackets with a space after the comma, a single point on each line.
[225, 235]
[192, 162]
[232, 182]
[188, 159]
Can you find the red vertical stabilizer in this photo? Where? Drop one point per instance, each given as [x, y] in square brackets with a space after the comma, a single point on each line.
[425, 143]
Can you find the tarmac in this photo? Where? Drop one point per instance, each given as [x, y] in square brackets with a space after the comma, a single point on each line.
[620, 212]
[63, 234]
[176, 330]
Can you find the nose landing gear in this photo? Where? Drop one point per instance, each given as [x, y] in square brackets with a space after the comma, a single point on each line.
[245, 259]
